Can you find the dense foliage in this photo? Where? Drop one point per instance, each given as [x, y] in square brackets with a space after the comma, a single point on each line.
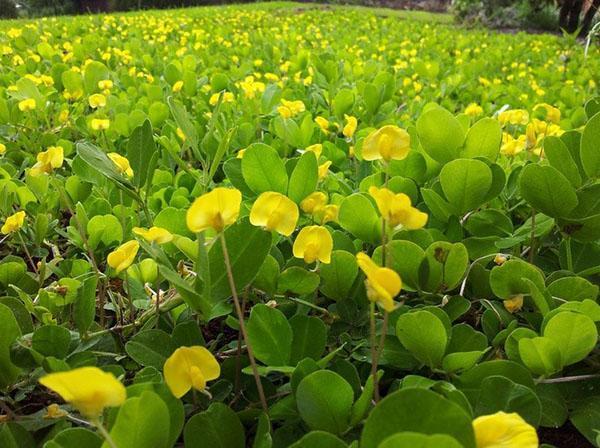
[280, 226]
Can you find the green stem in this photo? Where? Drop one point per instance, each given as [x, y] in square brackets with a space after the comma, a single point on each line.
[569, 254]
[104, 433]
[373, 347]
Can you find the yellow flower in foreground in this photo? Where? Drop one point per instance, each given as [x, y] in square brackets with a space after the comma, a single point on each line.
[27, 105]
[227, 98]
[324, 169]
[122, 257]
[317, 149]
[314, 201]
[473, 110]
[216, 209]
[514, 304]
[177, 86]
[323, 123]
[552, 113]
[275, 211]
[88, 389]
[13, 223]
[350, 127]
[502, 430]
[154, 234]
[388, 143]
[289, 109]
[396, 209]
[122, 163]
[313, 243]
[100, 124]
[97, 100]
[512, 146]
[514, 116]
[190, 367]
[326, 214]
[383, 284]
[48, 160]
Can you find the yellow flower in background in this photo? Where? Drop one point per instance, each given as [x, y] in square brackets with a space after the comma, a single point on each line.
[105, 84]
[27, 105]
[97, 100]
[88, 389]
[396, 209]
[190, 367]
[177, 87]
[327, 214]
[48, 160]
[324, 169]
[180, 134]
[350, 126]
[275, 211]
[100, 124]
[54, 411]
[13, 223]
[314, 201]
[512, 146]
[122, 163]
[383, 284]
[240, 154]
[502, 430]
[2, 149]
[473, 110]
[552, 113]
[289, 109]
[227, 98]
[514, 116]
[317, 149]
[313, 243]
[323, 123]
[122, 257]
[216, 209]
[154, 234]
[388, 143]
[514, 304]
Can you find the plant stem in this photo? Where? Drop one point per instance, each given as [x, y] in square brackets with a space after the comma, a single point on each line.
[568, 379]
[238, 309]
[532, 243]
[375, 361]
[569, 254]
[27, 252]
[102, 430]
[373, 348]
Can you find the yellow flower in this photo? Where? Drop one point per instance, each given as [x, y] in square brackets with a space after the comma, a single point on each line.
[350, 127]
[122, 257]
[48, 160]
[317, 149]
[327, 214]
[383, 284]
[180, 134]
[313, 202]
[502, 430]
[313, 243]
[275, 211]
[473, 110]
[514, 116]
[388, 143]
[290, 109]
[177, 86]
[500, 259]
[190, 367]
[54, 411]
[2, 149]
[27, 105]
[396, 209]
[240, 154]
[512, 146]
[514, 304]
[121, 163]
[13, 223]
[552, 113]
[105, 84]
[216, 209]
[227, 98]
[323, 123]
[154, 234]
[100, 124]
[97, 100]
[88, 389]
[324, 169]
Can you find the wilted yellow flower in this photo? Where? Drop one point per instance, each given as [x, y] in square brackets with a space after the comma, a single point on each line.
[350, 126]
[514, 304]
[396, 209]
[227, 98]
[105, 84]
[100, 124]
[122, 163]
[97, 100]
[177, 87]
[13, 223]
[552, 113]
[513, 116]
[324, 169]
[473, 110]
[216, 209]
[512, 146]
[122, 257]
[190, 367]
[383, 284]
[313, 243]
[27, 105]
[323, 123]
[388, 143]
[54, 411]
[48, 160]
[88, 389]
[289, 109]
[502, 430]
[314, 201]
[154, 234]
[317, 149]
[274, 211]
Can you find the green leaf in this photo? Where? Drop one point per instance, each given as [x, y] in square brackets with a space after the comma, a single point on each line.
[263, 169]
[319, 439]
[465, 183]
[404, 257]
[297, 280]
[9, 332]
[338, 276]
[51, 340]
[508, 279]
[560, 158]
[415, 440]
[271, 335]
[309, 337]
[304, 178]
[483, 140]
[574, 334]
[547, 190]
[75, 438]
[540, 355]
[105, 229]
[453, 362]
[358, 216]
[84, 308]
[142, 154]
[589, 153]
[417, 410]
[444, 266]
[441, 134]
[424, 335]
[217, 427]
[150, 348]
[324, 401]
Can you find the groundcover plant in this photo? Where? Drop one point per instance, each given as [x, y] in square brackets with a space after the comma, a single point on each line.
[279, 225]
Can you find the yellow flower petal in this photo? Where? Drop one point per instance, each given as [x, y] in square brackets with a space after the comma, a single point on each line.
[154, 234]
[13, 223]
[216, 209]
[313, 243]
[122, 257]
[274, 211]
[502, 430]
[388, 143]
[190, 367]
